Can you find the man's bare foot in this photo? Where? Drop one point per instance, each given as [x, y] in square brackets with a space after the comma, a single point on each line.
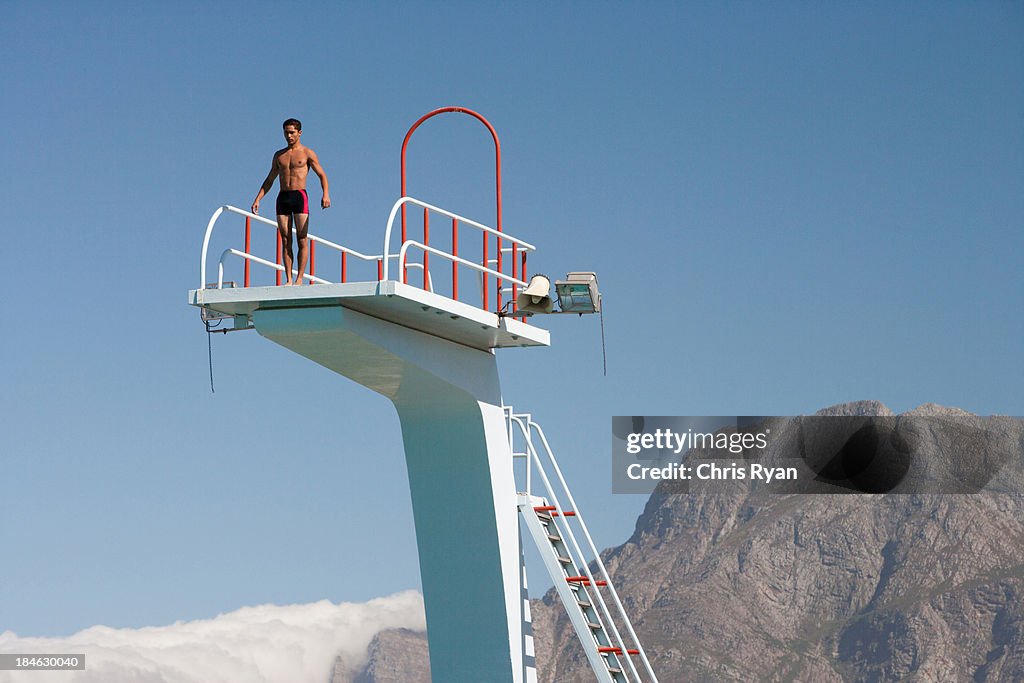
[288, 284]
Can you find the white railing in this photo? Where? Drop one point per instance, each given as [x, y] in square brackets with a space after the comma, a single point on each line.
[527, 427]
[488, 268]
[525, 246]
[244, 255]
[455, 259]
[263, 262]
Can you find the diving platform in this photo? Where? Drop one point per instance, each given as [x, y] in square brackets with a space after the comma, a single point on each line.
[388, 300]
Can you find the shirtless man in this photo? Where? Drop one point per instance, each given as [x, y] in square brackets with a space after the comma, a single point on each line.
[293, 164]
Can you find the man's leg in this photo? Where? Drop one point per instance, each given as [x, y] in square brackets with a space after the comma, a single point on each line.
[284, 228]
[302, 241]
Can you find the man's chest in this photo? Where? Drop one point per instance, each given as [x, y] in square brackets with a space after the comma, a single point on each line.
[293, 161]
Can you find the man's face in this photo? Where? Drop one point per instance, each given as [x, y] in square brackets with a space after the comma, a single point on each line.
[292, 135]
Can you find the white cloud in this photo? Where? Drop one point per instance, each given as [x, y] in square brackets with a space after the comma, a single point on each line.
[264, 644]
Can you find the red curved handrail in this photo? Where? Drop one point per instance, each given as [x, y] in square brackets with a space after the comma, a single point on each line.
[497, 176]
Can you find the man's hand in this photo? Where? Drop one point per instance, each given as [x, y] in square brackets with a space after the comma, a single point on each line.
[325, 202]
[267, 184]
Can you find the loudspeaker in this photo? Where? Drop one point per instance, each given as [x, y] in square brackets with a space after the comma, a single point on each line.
[536, 298]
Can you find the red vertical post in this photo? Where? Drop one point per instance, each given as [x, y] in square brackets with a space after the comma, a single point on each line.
[515, 287]
[312, 259]
[484, 281]
[278, 261]
[455, 264]
[380, 269]
[522, 276]
[344, 267]
[426, 254]
[248, 229]
[499, 281]
[405, 271]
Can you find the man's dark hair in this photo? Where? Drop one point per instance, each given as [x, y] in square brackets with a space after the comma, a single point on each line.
[293, 122]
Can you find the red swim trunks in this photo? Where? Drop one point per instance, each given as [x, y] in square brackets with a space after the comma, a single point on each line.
[292, 201]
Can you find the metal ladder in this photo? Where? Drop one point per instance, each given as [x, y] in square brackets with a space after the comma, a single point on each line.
[605, 632]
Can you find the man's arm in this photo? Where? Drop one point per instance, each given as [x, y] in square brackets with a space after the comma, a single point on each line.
[314, 164]
[267, 184]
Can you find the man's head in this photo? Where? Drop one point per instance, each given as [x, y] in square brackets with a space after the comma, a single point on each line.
[292, 131]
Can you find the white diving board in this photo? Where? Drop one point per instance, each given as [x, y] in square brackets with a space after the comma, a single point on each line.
[387, 300]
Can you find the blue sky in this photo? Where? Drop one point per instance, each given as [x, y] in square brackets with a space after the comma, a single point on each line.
[789, 205]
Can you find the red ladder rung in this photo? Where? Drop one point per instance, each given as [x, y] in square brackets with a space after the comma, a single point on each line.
[616, 651]
[550, 508]
[584, 580]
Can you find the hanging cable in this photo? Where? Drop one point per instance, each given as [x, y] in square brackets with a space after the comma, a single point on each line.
[210, 329]
[209, 350]
[604, 354]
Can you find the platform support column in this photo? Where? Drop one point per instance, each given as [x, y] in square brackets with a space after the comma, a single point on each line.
[448, 400]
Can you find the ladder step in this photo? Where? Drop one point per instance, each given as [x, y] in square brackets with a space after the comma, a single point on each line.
[583, 602]
[616, 651]
[593, 626]
[553, 538]
[553, 511]
[584, 581]
[563, 560]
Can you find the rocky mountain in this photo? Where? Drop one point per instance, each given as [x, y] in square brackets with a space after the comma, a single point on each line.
[738, 584]
[395, 656]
